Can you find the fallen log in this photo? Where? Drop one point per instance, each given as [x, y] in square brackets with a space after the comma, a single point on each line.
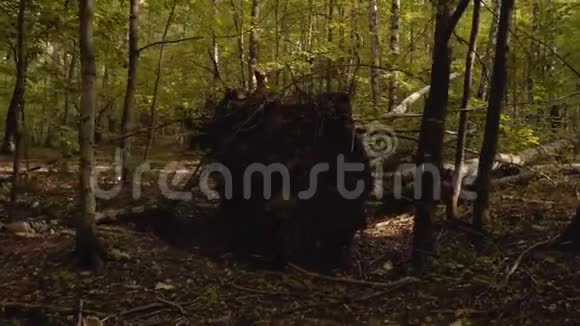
[414, 97]
[402, 179]
[521, 159]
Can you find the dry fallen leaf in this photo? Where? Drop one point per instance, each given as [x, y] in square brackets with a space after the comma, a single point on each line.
[164, 286]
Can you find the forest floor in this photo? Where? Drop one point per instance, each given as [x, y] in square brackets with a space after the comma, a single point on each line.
[157, 274]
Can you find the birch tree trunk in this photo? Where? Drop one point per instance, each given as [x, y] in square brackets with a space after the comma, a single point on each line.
[87, 247]
[452, 210]
[394, 45]
[129, 100]
[496, 103]
[375, 53]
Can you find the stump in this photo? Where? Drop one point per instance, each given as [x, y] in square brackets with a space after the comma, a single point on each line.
[263, 131]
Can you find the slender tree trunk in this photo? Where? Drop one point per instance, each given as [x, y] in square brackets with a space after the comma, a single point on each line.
[214, 53]
[284, 36]
[310, 42]
[105, 105]
[514, 79]
[15, 174]
[277, 40]
[534, 51]
[394, 47]
[552, 30]
[330, 38]
[452, 209]
[239, 22]
[18, 97]
[431, 136]
[412, 42]
[490, 138]
[153, 108]
[354, 48]
[340, 70]
[17, 100]
[87, 246]
[129, 101]
[487, 60]
[375, 53]
[253, 44]
[69, 87]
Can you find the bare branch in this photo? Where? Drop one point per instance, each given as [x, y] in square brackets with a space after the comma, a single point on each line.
[185, 39]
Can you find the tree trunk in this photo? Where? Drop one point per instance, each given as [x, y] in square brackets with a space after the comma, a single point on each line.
[87, 246]
[452, 211]
[490, 138]
[253, 45]
[330, 37]
[129, 101]
[69, 87]
[277, 40]
[487, 60]
[214, 56]
[153, 108]
[432, 127]
[17, 100]
[15, 172]
[394, 47]
[375, 53]
[239, 23]
[214, 50]
[340, 69]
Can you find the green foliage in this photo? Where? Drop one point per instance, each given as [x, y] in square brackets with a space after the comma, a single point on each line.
[295, 47]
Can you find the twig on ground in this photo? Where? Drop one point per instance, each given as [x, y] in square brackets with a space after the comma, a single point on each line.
[156, 307]
[280, 293]
[395, 285]
[264, 292]
[173, 304]
[524, 253]
[391, 285]
[134, 310]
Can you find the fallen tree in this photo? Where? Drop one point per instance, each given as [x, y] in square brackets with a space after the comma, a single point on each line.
[525, 157]
[414, 97]
[269, 213]
[404, 176]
